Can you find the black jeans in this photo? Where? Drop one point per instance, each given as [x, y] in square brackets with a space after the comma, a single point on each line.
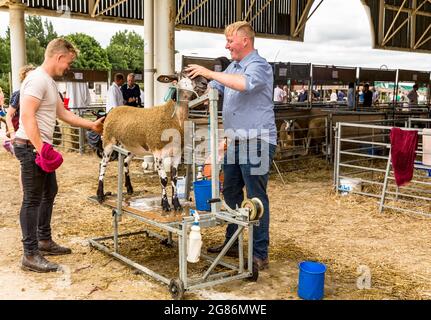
[40, 189]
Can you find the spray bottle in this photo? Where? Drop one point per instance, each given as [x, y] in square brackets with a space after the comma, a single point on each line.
[195, 240]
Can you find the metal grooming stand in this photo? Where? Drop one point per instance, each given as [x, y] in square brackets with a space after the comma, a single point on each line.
[239, 216]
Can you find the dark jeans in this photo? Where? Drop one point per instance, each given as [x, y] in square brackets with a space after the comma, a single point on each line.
[40, 189]
[247, 171]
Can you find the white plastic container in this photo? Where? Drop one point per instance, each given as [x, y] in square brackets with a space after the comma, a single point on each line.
[194, 245]
[348, 185]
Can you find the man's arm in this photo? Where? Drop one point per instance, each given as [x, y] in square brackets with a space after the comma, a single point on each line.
[234, 81]
[29, 107]
[75, 121]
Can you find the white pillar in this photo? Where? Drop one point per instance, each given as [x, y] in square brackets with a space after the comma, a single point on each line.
[149, 53]
[164, 44]
[17, 43]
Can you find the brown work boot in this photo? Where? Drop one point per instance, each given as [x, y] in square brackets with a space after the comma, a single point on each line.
[262, 264]
[38, 263]
[50, 248]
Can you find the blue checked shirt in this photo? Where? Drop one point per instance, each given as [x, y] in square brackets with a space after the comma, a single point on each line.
[249, 114]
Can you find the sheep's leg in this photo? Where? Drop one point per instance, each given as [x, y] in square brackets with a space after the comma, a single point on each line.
[128, 183]
[164, 183]
[174, 179]
[107, 151]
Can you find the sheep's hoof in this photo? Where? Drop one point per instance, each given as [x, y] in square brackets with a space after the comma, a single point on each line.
[165, 205]
[101, 198]
[177, 205]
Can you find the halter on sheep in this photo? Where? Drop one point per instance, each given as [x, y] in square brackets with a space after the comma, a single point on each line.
[150, 130]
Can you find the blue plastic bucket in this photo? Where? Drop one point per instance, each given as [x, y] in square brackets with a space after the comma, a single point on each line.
[311, 280]
[202, 190]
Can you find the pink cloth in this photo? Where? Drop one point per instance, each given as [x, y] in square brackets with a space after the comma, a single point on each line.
[403, 151]
[8, 146]
[49, 159]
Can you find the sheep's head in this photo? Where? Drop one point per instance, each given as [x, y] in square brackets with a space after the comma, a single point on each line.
[188, 88]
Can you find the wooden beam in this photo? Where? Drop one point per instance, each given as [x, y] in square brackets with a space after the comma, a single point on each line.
[180, 11]
[303, 16]
[193, 11]
[413, 24]
[264, 6]
[95, 7]
[293, 9]
[393, 22]
[418, 43]
[111, 7]
[381, 28]
[412, 14]
[407, 10]
[249, 9]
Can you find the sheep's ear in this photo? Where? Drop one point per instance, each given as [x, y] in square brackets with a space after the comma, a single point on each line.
[167, 79]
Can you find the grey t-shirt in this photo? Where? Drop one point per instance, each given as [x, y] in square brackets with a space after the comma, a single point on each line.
[40, 85]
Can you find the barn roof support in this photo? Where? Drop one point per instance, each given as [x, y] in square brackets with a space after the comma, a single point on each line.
[412, 14]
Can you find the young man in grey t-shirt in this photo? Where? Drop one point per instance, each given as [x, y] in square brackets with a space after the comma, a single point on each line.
[40, 106]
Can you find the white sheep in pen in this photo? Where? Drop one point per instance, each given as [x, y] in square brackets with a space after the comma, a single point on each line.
[144, 130]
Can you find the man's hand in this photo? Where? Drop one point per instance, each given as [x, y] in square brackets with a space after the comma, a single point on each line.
[195, 70]
[98, 126]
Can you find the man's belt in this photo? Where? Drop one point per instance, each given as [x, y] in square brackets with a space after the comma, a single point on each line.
[23, 142]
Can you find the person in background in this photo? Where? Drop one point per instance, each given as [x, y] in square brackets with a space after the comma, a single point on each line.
[279, 93]
[131, 92]
[340, 96]
[12, 117]
[115, 96]
[376, 96]
[66, 100]
[351, 96]
[2, 110]
[368, 96]
[413, 96]
[286, 94]
[332, 96]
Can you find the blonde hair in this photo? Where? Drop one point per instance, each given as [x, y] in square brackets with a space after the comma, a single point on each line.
[240, 26]
[23, 71]
[60, 45]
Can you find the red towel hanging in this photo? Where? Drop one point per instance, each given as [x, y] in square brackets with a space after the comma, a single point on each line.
[403, 152]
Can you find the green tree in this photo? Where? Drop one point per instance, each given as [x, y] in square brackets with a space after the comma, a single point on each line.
[126, 51]
[43, 31]
[35, 52]
[91, 54]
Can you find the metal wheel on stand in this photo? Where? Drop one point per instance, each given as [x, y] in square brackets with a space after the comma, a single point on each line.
[176, 288]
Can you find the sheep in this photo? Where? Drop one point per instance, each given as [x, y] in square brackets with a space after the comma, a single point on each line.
[292, 135]
[316, 133]
[143, 131]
